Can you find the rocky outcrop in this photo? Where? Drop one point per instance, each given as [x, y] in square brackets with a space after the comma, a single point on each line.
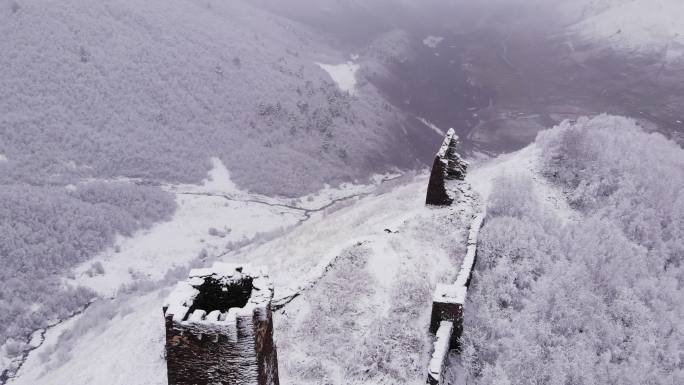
[448, 166]
[219, 328]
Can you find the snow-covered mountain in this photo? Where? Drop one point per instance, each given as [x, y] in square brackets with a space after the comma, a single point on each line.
[153, 89]
[101, 103]
[635, 26]
[139, 139]
[644, 26]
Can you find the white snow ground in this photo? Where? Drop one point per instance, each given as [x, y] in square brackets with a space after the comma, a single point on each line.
[372, 260]
[120, 340]
[524, 162]
[211, 219]
[344, 75]
[644, 26]
[151, 253]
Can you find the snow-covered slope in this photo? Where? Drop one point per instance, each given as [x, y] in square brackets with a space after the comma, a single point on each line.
[152, 89]
[526, 163]
[363, 268]
[645, 26]
[370, 262]
[211, 218]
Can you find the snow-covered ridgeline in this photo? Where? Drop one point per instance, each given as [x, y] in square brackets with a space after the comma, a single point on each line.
[523, 162]
[643, 26]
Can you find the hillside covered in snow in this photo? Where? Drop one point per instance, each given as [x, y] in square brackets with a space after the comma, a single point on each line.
[151, 90]
[583, 286]
[142, 139]
[102, 104]
[354, 268]
[635, 26]
[363, 268]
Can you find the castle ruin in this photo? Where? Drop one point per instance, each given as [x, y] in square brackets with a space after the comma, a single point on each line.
[219, 328]
[448, 166]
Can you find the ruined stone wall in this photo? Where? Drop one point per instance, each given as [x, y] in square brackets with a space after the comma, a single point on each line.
[221, 344]
[446, 321]
[447, 166]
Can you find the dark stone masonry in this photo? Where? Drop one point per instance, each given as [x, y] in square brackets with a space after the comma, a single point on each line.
[448, 166]
[447, 305]
[219, 328]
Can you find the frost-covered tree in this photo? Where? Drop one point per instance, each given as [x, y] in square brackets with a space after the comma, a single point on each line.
[594, 301]
[44, 231]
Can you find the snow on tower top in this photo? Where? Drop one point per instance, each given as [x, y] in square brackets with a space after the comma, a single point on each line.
[217, 295]
[450, 294]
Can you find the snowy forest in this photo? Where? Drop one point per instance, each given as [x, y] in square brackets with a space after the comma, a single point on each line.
[593, 301]
[48, 231]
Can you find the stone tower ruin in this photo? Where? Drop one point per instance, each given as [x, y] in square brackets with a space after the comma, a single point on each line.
[448, 166]
[219, 328]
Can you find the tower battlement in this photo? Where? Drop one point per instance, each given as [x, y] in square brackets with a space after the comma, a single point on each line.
[219, 328]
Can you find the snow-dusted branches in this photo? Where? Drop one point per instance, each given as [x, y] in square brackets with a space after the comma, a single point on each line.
[593, 301]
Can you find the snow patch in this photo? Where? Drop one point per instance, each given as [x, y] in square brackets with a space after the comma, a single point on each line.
[450, 293]
[344, 75]
[328, 194]
[524, 162]
[150, 253]
[433, 127]
[3, 158]
[219, 178]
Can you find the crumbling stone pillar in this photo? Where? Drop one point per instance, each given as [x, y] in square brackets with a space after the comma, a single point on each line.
[448, 166]
[219, 328]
